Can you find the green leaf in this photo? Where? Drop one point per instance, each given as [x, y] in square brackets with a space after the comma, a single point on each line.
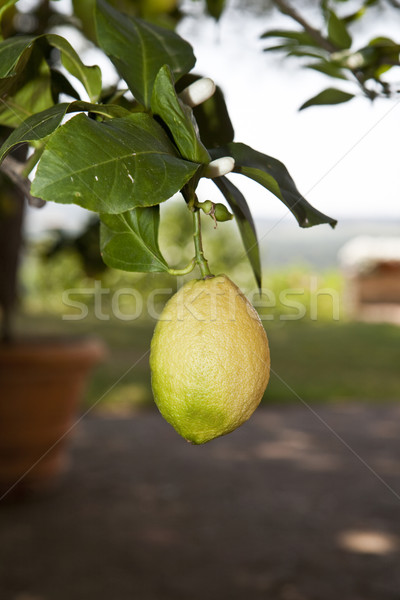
[5, 5]
[273, 175]
[337, 32]
[327, 68]
[384, 42]
[139, 49]
[26, 92]
[215, 8]
[286, 46]
[42, 124]
[14, 54]
[328, 96]
[110, 167]
[90, 77]
[11, 52]
[211, 116]
[293, 49]
[178, 117]
[300, 37]
[26, 80]
[84, 11]
[387, 52]
[304, 51]
[35, 128]
[129, 241]
[245, 222]
[355, 16]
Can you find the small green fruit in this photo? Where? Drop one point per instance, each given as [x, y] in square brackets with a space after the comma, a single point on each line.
[221, 213]
[206, 206]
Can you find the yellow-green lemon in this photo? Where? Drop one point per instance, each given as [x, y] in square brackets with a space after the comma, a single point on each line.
[209, 359]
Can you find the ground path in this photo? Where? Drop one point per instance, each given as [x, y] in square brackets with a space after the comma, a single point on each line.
[280, 510]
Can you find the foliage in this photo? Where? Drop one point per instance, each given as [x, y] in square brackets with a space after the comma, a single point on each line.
[124, 154]
[60, 262]
[332, 51]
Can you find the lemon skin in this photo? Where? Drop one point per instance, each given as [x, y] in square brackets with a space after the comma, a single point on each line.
[209, 359]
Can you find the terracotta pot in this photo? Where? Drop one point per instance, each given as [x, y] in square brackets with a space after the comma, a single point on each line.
[41, 384]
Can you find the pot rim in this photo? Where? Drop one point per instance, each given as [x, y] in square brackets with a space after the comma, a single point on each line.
[87, 350]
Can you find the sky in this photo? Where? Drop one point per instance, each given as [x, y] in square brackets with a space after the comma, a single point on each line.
[344, 159]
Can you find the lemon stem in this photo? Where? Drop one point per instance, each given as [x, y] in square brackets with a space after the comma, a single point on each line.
[198, 245]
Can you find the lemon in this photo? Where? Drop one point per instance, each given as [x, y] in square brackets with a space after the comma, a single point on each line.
[209, 359]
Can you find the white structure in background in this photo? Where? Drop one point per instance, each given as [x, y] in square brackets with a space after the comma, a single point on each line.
[371, 266]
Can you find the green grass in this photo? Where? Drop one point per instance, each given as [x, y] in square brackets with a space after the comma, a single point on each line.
[335, 361]
[320, 362]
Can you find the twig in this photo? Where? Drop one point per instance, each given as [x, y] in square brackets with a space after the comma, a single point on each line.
[394, 3]
[13, 169]
[286, 9]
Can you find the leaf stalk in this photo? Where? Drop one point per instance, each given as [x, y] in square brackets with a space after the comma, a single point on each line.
[188, 269]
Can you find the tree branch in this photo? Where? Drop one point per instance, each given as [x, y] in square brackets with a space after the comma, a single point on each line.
[286, 9]
[13, 169]
[322, 41]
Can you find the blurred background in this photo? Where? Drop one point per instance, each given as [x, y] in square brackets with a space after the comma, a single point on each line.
[303, 502]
